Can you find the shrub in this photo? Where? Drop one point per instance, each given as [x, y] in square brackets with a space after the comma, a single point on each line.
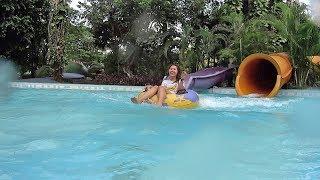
[44, 71]
[75, 67]
[95, 69]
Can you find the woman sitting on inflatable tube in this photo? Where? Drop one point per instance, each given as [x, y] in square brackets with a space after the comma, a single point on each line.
[170, 93]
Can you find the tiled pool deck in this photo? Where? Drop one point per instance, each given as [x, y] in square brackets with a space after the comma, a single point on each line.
[89, 87]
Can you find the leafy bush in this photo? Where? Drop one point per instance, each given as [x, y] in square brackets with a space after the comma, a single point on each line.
[24, 32]
[44, 71]
[75, 67]
[96, 69]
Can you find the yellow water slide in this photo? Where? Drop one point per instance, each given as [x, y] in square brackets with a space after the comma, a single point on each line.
[315, 60]
[263, 74]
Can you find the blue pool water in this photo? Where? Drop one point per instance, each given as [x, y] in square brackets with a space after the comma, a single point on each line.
[70, 134]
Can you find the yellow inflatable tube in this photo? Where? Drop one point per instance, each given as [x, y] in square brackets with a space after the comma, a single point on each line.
[184, 101]
[180, 102]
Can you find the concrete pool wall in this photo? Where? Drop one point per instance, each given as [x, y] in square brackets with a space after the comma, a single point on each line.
[89, 87]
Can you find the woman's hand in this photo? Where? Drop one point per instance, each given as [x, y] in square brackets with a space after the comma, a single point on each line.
[183, 75]
[147, 88]
[180, 86]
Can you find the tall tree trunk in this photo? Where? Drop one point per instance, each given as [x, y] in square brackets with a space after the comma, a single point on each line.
[57, 33]
[132, 60]
[115, 55]
[246, 8]
[290, 1]
[271, 4]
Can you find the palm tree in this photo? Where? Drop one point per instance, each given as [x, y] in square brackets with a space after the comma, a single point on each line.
[56, 36]
[271, 4]
[302, 39]
[246, 8]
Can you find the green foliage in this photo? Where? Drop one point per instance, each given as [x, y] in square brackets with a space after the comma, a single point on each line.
[23, 32]
[75, 67]
[258, 8]
[302, 39]
[79, 46]
[57, 26]
[203, 36]
[287, 28]
[234, 5]
[135, 31]
[96, 69]
[44, 71]
[142, 37]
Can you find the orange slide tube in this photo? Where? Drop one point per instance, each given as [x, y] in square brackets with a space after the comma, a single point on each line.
[263, 74]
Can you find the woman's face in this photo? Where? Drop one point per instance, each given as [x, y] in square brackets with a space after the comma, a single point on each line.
[173, 71]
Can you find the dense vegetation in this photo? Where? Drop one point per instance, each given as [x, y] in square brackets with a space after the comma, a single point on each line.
[140, 38]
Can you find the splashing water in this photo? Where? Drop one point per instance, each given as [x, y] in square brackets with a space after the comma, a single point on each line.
[315, 9]
[143, 30]
[227, 103]
[7, 75]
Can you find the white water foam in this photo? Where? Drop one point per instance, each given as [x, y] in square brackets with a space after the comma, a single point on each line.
[41, 145]
[103, 97]
[244, 103]
[113, 131]
[254, 95]
[7, 75]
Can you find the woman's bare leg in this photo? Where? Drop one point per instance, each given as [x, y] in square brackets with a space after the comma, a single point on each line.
[161, 95]
[148, 94]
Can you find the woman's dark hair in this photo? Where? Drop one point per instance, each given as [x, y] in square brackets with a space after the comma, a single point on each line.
[179, 71]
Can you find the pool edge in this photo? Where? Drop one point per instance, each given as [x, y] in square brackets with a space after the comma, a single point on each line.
[92, 87]
[87, 87]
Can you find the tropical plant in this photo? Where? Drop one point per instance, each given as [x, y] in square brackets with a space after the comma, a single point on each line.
[135, 31]
[302, 38]
[202, 34]
[23, 33]
[79, 46]
[142, 37]
[248, 37]
[56, 29]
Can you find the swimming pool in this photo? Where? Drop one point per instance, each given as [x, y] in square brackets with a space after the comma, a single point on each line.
[76, 134]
